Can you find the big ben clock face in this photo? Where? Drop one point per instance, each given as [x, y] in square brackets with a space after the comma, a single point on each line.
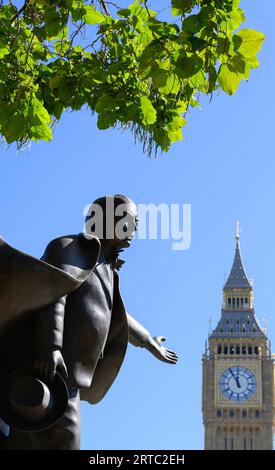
[238, 383]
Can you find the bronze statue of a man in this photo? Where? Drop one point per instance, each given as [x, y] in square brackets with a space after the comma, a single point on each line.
[81, 335]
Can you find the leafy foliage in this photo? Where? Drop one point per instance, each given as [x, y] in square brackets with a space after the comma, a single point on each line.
[137, 72]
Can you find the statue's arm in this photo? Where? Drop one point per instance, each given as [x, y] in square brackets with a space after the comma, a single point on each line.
[49, 325]
[140, 337]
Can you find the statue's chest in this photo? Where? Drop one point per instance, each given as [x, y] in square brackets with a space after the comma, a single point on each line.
[95, 296]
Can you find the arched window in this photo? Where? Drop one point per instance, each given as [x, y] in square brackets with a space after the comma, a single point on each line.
[219, 413]
[219, 349]
[241, 301]
[244, 414]
[232, 350]
[244, 350]
[225, 350]
[231, 413]
[238, 350]
[256, 350]
[249, 350]
[229, 301]
[233, 301]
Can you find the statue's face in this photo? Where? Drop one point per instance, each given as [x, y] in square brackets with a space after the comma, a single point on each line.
[125, 227]
[117, 224]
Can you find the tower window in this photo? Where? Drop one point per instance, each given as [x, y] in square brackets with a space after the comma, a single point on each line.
[246, 300]
[249, 350]
[238, 302]
[244, 350]
[229, 301]
[233, 301]
[256, 350]
[221, 330]
[227, 321]
[219, 413]
[237, 349]
[244, 414]
[257, 414]
[232, 350]
[241, 301]
[238, 321]
[219, 349]
[231, 413]
[225, 350]
[243, 329]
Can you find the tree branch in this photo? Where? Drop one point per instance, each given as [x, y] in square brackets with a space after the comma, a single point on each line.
[20, 11]
[104, 6]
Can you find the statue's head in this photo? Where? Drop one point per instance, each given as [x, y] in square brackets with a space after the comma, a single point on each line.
[114, 219]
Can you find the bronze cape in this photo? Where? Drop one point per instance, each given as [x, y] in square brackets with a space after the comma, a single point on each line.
[28, 284]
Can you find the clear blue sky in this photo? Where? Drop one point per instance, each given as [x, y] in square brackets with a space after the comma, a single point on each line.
[225, 168]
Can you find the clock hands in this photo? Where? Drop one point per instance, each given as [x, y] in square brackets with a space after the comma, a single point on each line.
[237, 380]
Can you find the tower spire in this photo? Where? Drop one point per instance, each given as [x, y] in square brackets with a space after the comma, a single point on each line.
[237, 230]
[238, 277]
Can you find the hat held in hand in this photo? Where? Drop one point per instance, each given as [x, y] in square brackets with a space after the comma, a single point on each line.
[28, 404]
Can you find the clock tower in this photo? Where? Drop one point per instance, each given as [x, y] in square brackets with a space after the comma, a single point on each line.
[238, 372]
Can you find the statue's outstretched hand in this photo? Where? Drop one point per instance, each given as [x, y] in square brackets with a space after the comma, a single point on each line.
[48, 362]
[163, 354]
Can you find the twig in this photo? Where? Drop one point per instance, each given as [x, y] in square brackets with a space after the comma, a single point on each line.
[104, 6]
[20, 11]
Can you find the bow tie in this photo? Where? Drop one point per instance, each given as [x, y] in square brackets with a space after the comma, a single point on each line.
[114, 260]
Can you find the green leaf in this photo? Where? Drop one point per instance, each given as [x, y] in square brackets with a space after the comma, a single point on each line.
[228, 80]
[212, 79]
[165, 81]
[40, 132]
[124, 12]
[56, 81]
[189, 66]
[237, 64]
[174, 128]
[179, 7]
[4, 49]
[192, 24]
[92, 15]
[250, 41]
[40, 112]
[148, 112]
[15, 128]
[105, 102]
[162, 139]
[105, 120]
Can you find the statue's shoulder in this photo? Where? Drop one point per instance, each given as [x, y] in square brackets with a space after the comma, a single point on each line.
[74, 254]
[62, 246]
